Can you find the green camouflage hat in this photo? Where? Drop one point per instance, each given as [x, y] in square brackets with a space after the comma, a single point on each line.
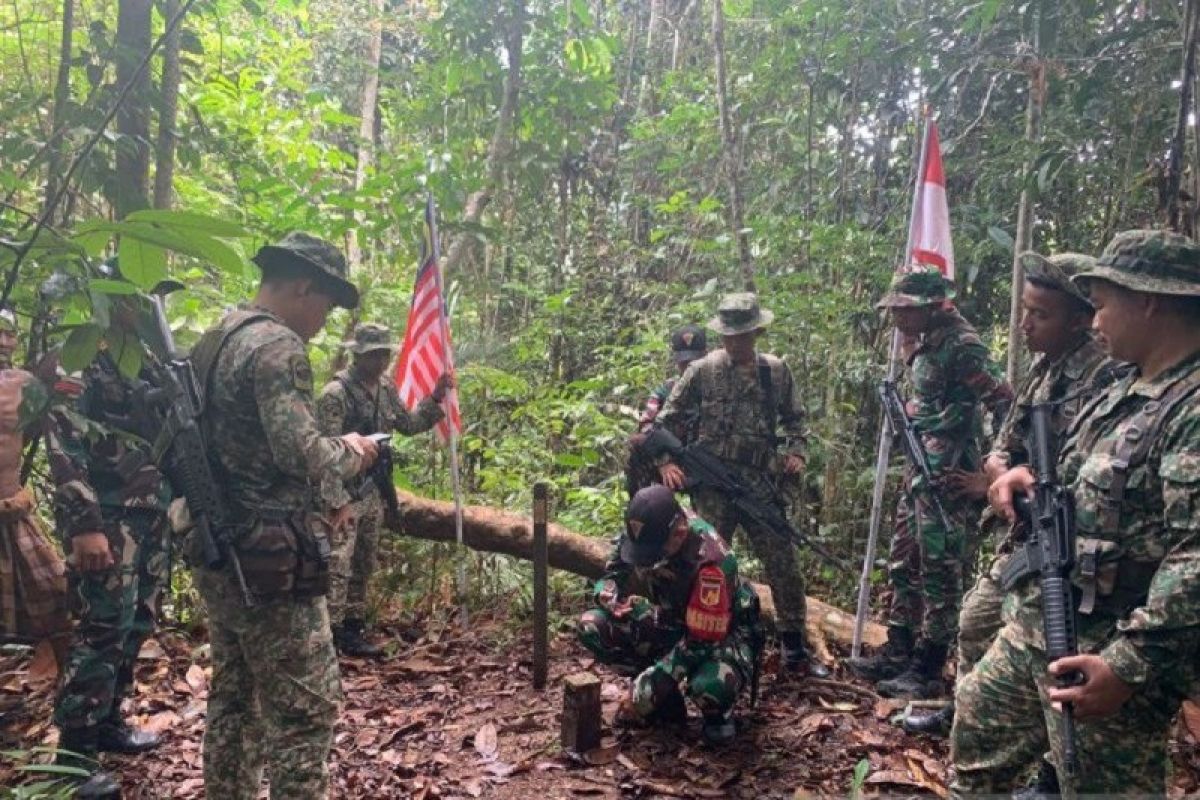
[740, 313]
[925, 287]
[1057, 271]
[325, 261]
[368, 337]
[1158, 262]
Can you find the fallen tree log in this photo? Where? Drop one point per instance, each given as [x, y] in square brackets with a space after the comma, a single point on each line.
[493, 530]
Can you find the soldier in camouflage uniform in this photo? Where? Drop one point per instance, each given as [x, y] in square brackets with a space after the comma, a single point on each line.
[952, 374]
[357, 400]
[743, 407]
[275, 687]
[688, 344]
[1069, 367]
[1130, 460]
[698, 622]
[110, 503]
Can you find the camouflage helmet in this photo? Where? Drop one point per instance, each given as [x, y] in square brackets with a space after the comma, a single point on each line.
[740, 313]
[1057, 270]
[324, 261]
[688, 344]
[926, 287]
[368, 337]
[1157, 262]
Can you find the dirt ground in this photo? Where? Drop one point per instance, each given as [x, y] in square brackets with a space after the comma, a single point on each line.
[453, 715]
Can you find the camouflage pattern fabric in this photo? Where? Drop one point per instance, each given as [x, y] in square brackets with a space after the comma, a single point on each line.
[1068, 381]
[1145, 622]
[274, 696]
[105, 481]
[952, 374]
[347, 405]
[652, 636]
[33, 575]
[640, 470]
[1153, 261]
[723, 408]
[275, 685]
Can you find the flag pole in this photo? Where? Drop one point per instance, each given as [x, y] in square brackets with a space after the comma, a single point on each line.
[452, 433]
[884, 450]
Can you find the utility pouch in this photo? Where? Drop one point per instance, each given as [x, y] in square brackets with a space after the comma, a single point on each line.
[312, 568]
[269, 554]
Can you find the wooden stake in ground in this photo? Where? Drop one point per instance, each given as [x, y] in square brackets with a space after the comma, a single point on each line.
[581, 713]
[541, 564]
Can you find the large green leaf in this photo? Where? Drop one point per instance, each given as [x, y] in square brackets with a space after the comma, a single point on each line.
[80, 347]
[191, 220]
[142, 263]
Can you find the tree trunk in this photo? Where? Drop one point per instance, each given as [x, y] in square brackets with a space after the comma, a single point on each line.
[133, 117]
[1174, 178]
[501, 144]
[62, 96]
[492, 530]
[730, 149]
[164, 154]
[368, 106]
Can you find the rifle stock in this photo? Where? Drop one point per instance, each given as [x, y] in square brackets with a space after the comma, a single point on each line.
[902, 428]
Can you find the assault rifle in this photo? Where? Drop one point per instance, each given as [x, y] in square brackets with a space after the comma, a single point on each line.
[180, 450]
[902, 428]
[380, 474]
[705, 469]
[1050, 554]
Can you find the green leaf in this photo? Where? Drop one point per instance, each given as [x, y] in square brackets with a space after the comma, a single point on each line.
[144, 264]
[80, 348]
[190, 220]
[1001, 237]
[126, 349]
[93, 243]
[106, 286]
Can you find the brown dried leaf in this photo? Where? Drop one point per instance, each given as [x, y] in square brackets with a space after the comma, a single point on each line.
[923, 779]
[423, 666]
[600, 756]
[487, 741]
[43, 668]
[1191, 718]
[196, 679]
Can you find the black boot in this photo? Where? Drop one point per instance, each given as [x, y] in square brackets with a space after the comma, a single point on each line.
[115, 735]
[1044, 786]
[891, 659]
[935, 722]
[795, 658]
[77, 748]
[922, 679]
[349, 640]
[719, 729]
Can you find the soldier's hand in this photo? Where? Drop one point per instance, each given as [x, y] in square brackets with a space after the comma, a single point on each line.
[793, 464]
[1015, 482]
[963, 485]
[672, 476]
[994, 467]
[1101, 694]
[90, 552]
[444, 384]
[367, 450]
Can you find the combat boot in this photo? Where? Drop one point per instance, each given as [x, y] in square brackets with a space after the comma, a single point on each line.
[891, 659]
[1043, 787]
[77, 749]
[795, 659]
[934, 722]
[718, 729]
[115, 735]
[349, 640]
[922, 679]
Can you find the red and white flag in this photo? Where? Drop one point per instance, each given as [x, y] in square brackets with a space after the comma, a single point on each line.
[427, 352]
[929, 230]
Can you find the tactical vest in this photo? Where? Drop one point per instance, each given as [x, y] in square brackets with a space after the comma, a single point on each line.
[362, 411]
[714, 423]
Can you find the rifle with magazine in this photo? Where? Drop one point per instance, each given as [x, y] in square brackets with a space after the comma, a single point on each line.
[380, 474]
[705, 469]
[902, 428]
[181, 451]
[1050, 554]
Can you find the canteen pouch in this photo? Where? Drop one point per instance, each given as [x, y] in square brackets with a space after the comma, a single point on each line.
[284, 557]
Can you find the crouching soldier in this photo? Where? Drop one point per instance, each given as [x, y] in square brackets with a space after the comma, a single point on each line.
[697, 622]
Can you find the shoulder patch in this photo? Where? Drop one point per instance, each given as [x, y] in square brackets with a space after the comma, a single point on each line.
[302, 376]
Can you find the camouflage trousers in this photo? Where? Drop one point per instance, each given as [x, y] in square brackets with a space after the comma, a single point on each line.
[353, 560]
[274, 696]
[776, 554]
[925, 570]
[116, 610]
[1004, 722]
[714, 675]
[980, 618]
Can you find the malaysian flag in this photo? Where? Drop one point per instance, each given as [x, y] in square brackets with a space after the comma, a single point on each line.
[427, 352]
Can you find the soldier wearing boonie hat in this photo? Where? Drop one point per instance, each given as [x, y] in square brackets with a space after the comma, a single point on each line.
[359, 400]
[952, 374]
[1130, 463]
[744, 408]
